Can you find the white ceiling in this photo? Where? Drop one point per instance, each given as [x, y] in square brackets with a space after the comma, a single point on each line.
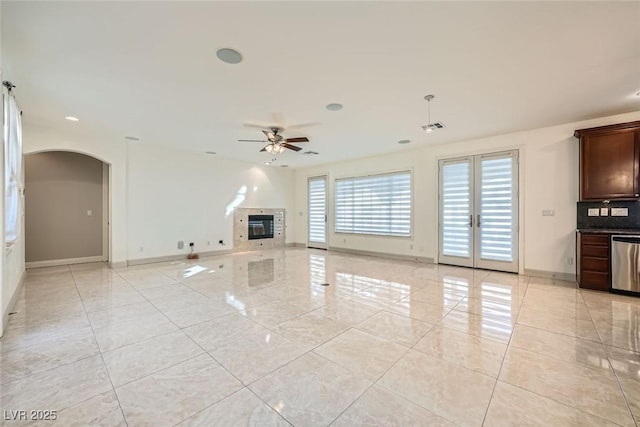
[149, 69]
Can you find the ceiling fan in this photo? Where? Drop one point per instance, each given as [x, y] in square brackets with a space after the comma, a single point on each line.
[276, 143]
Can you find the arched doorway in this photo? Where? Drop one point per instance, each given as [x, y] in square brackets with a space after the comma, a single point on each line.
[66, 209]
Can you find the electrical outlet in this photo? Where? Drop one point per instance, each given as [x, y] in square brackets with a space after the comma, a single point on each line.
[208, 243]
[141, 248]
[180, 244]
[570, 260]
[548, 212]
[410, 246]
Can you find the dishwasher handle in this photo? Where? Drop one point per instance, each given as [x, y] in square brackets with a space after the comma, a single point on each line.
[626, 239]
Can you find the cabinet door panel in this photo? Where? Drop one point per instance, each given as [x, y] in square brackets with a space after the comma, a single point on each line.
[595, 280]
[609, 166]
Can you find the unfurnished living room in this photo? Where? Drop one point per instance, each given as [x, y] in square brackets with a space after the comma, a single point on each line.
[315, 213]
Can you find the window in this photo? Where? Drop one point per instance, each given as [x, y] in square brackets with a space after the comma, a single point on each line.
[377, 204]
[12, 168]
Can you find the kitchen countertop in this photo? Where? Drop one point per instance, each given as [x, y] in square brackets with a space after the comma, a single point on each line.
[608, 231]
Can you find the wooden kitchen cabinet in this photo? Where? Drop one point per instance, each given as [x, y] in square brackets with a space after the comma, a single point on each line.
[594, 261]
[610, 162]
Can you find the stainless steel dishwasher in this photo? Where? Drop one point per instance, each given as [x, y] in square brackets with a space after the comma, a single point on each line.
[625, 263]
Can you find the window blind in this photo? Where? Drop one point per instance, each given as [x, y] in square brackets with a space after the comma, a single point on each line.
[456, 208]
[496, 209]
[377, 205]
[317, 209]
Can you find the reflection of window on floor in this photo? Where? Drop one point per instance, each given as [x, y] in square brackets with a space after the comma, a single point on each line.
[496, 302]
[317, 269]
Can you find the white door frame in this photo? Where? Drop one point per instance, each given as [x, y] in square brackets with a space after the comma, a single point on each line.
[475, 221]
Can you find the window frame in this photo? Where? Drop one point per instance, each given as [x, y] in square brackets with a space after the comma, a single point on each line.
[409, 171]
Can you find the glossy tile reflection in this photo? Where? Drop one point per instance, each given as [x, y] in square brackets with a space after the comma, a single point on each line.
[256, 339]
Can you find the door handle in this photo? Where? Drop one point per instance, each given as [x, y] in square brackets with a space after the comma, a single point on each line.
[478, 222]
[470, 220]
[325, 218]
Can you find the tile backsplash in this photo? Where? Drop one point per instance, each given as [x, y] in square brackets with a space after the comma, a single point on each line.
[632, 221]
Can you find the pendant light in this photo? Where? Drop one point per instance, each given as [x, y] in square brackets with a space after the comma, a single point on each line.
[428, 128]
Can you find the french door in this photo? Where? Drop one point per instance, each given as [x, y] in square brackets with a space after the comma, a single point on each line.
[478, 211]
[317, 196]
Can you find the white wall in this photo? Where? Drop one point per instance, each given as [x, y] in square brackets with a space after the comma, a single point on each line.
[548, 180]
[37, 139]
[177, 195]
[160, 196]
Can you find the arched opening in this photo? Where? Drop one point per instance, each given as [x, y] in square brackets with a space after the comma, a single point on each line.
[67, 209]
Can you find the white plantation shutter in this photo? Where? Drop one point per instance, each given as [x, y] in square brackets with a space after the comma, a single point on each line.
[496, 208]
[317, 209]
[455, 195]
[378, 205]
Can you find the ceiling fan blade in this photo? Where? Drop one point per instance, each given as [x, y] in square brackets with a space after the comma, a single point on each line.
[263, 149]
[291, 147]
[256, 125]
[252, 140]
[298, 139]
[270, 135]
[303, 125]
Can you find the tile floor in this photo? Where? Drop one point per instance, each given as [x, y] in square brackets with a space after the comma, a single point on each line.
[255, 339]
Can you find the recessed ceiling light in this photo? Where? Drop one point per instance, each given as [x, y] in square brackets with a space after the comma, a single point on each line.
[267, 163]
[72, 119]
[404, 141]
[334, 107]
[230, 56]
[132, 138]
[211, 152]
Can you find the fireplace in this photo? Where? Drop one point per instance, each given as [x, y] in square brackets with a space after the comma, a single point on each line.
[260, 227]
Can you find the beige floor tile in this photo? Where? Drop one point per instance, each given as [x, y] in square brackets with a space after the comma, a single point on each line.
[214, 333]
[102, 410]
[176, 393]
[311, 390]
[198, 313]
[254, 355]
[127, 313]
[379, 407]
[625, 338]
[57, 388]
[420, 310]
[138, 360]
[125, 333]
[312, 328]
[513, 406]
[480, 326]
[395, 327]
[563, 347]
[451, 391]
[274, 313]
[590, 390]
[475, 353]
[580, 326]
[241, 408]
[511, 295]
[631, 390]
[488, 308]
[362, 353]
[46, 355]
[345, 311]
[624, 362]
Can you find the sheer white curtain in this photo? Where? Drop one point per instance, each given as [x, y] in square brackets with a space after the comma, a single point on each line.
[13, 168]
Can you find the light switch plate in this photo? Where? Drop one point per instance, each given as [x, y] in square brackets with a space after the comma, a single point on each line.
[619, 211]
[548, 212]
[594, 212]
[604, 211]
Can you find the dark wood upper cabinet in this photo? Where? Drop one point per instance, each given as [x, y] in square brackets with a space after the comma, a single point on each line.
[610, 162]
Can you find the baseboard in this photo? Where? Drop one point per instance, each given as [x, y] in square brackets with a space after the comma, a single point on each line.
[178, 257]
[118, 264]
[296, 245]
[12, 303]
[66, 261]
[384, 255]
[550, 275]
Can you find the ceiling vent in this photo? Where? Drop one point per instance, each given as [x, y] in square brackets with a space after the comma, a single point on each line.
[433, 126]
[310, 153]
